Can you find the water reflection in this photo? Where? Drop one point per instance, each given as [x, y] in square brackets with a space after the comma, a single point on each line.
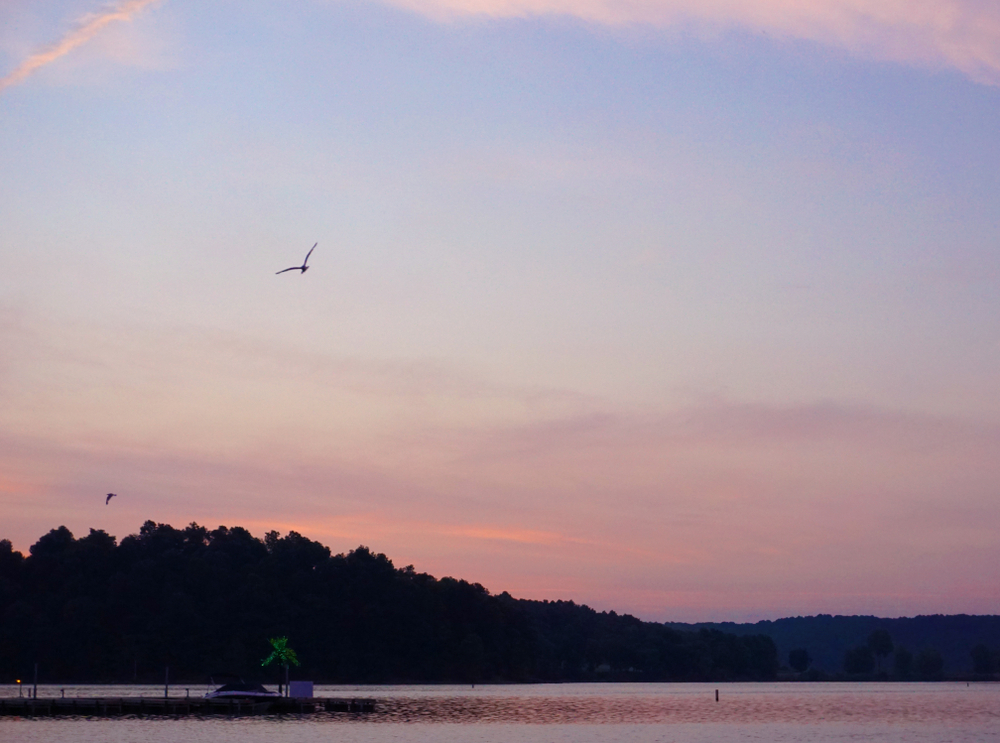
[739, 704]
[637, 704]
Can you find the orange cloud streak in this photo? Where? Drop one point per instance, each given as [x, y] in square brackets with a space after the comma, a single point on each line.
[88, 27]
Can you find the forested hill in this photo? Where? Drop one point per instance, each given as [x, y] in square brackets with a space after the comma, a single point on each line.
[203, 602]
[828, 638]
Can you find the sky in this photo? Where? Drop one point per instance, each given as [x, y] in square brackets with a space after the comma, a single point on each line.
[681, 308]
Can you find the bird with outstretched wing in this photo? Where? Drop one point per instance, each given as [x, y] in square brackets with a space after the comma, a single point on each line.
[110, 496]
[304, 267]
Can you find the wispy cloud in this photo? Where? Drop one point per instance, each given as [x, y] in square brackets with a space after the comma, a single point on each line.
[88, 27]
[960, 34]
[709, 506]
[687, 513]
[963, 35]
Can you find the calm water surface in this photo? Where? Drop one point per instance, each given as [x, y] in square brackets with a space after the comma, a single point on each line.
[581, 713]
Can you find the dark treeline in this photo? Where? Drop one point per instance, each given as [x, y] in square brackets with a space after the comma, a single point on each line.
[203, 602]
[923, 647]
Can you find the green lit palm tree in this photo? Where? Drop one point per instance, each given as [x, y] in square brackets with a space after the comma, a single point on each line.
[283, 655]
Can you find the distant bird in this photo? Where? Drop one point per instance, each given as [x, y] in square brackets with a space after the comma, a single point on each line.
[110, 496]
[303, 268]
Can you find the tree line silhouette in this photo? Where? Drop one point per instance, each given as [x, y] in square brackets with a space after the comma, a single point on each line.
[905, 648]
[870, 660]
[205, 601]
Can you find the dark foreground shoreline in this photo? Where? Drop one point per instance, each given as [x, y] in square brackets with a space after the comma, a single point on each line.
[175, 706]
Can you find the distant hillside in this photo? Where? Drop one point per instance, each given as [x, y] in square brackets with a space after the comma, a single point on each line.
[205, 601]
[828, 637]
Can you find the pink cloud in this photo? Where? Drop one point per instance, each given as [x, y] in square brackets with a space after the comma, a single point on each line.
[690, 514]
[85, 30]
[960, 34]
[689, 511]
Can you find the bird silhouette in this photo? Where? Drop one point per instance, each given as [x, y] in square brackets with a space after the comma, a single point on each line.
[110, 496]
[303, 268]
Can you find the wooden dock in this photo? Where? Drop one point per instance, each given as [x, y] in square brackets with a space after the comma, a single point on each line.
[176, 706]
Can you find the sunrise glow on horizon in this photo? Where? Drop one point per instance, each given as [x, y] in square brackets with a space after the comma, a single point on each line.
[682, 309]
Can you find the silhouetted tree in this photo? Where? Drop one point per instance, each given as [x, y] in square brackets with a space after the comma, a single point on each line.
[799, 659]
[929, 663]
[201, 600]
[858, 660]
[827, 636]
[880, 643]
[902, 662]
[982, 659]
[471, 657]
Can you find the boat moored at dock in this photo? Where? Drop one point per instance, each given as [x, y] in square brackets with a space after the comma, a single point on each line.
[242, 690]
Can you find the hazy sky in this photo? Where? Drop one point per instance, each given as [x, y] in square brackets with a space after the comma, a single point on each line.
[685, 308]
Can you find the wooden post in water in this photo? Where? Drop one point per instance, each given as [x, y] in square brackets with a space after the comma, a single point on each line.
[34, 693]
[717, 695]
[166, 684]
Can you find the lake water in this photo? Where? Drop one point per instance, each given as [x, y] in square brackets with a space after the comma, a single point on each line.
[565, 713]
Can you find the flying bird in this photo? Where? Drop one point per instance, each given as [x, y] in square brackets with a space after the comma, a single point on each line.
[303, 268]
[110, 496]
